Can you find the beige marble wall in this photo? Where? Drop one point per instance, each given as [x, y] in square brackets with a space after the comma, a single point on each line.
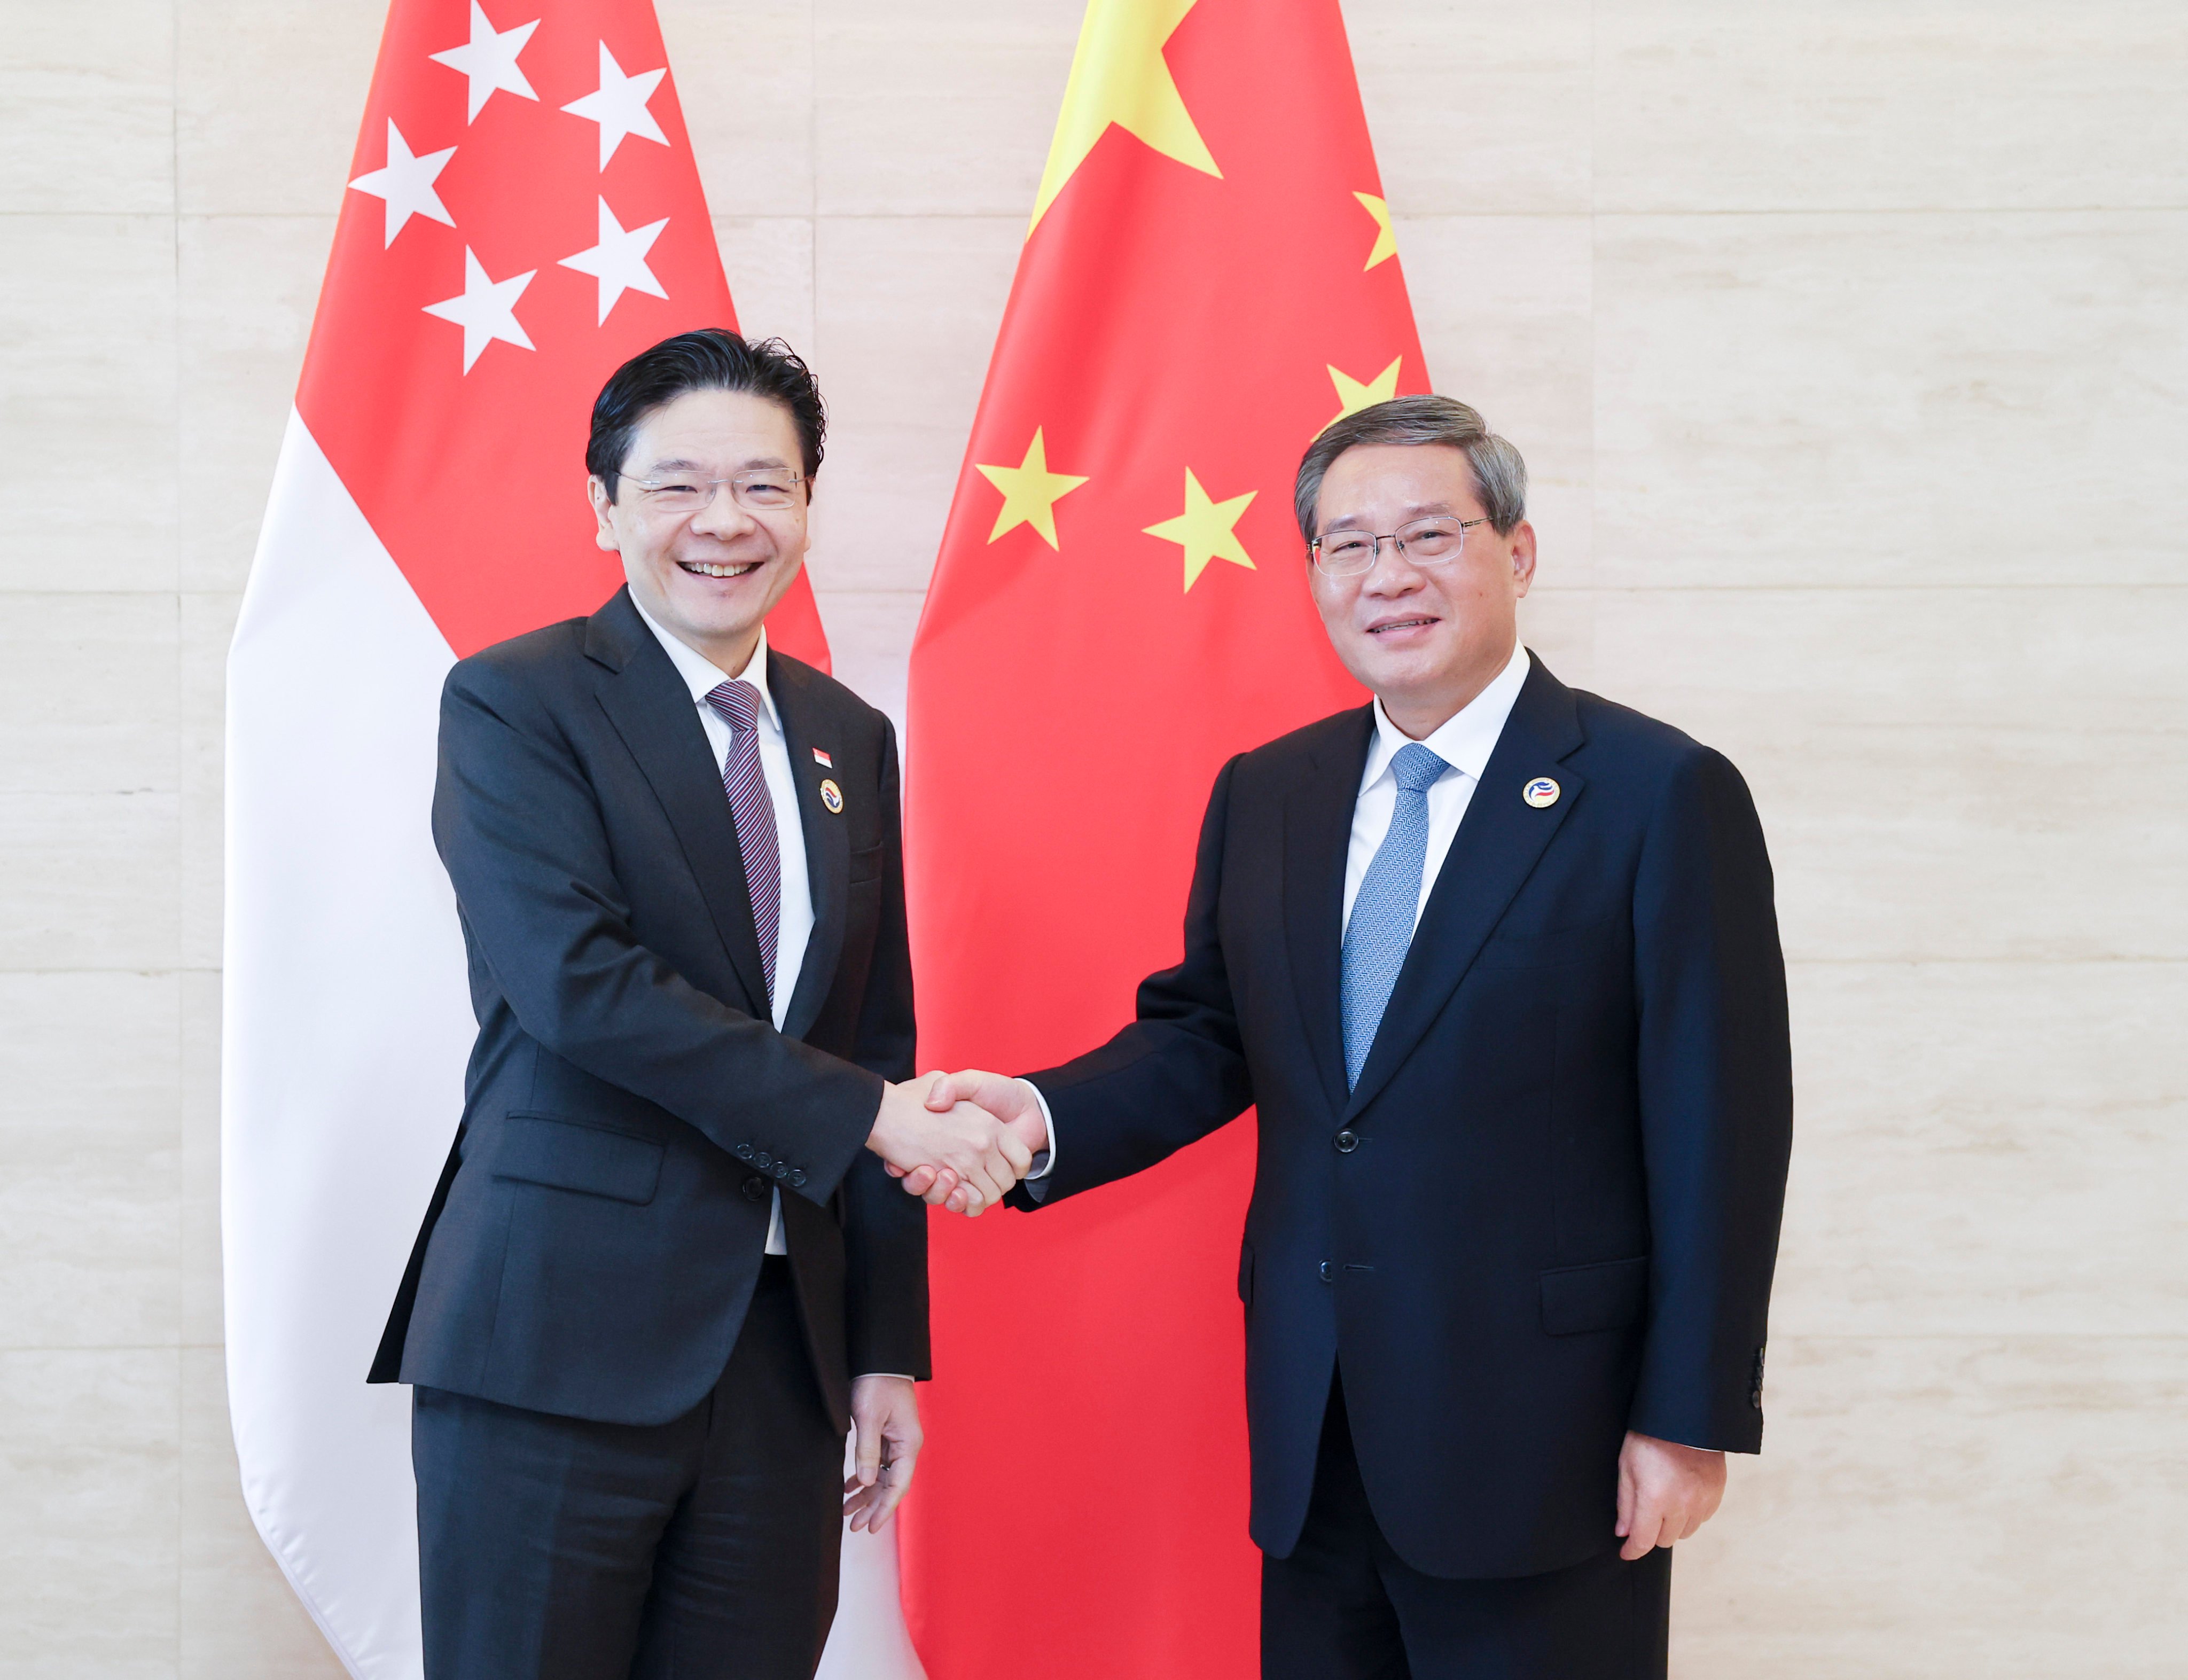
[1845, 342]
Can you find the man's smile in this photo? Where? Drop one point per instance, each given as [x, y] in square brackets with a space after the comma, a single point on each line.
[708, 569]
[1413, 622]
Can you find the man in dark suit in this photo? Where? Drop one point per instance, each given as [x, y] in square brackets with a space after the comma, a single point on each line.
[664, 1271]
[1497, 962]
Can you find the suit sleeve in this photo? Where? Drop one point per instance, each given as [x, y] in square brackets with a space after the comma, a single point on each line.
[884, 1229]
[1174, 1075]
[520, 831]
[1716, 1107]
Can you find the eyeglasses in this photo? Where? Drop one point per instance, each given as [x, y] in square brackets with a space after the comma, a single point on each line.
[765, 490]
[1425, 542]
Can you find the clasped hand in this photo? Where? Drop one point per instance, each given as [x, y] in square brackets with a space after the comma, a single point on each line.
[959, 1141]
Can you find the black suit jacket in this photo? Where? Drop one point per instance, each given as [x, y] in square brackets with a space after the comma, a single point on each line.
[600, 1224]
[1549, 1212]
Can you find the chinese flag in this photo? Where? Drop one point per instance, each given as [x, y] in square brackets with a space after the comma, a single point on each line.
[1209, 279]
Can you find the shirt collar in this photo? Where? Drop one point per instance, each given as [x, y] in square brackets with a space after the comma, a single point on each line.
[1463, 741]
[703, 676]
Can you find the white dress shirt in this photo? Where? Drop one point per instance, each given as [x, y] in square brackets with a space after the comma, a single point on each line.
[702, 677]
[1463, 741]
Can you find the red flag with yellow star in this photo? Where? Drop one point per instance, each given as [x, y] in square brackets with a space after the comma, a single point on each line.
[1210, 279]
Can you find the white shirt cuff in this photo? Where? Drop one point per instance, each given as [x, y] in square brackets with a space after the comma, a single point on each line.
[1046, 1163]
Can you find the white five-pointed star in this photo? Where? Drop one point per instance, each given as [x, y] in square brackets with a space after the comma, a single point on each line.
[488, 59]
[407, 183]
[486, 310]
[619, 105]
[618, 261]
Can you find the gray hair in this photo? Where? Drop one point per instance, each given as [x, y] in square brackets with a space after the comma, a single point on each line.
[1500, 476]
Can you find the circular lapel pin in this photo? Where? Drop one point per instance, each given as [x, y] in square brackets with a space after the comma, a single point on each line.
[832, 797]
[1541, 791]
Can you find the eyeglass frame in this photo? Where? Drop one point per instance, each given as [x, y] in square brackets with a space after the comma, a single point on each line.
[713, 486]
[1314, 548]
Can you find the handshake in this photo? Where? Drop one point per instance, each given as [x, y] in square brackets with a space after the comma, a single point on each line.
[960, 1141]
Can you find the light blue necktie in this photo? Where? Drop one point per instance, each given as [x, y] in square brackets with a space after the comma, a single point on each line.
[1381, 929]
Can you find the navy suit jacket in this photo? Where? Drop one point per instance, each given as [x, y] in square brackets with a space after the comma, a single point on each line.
[1548, 1212]
[599, 1227]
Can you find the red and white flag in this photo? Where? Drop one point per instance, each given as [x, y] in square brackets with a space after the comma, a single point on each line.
[523, 215]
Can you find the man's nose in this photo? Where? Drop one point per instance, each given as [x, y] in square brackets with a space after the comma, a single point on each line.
[723, 516]
[1392, 574]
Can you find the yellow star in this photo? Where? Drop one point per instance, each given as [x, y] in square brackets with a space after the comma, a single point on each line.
[1386, 240]
[1118, 75]
[1030, 492]
[1205, 530]
[1352, 395]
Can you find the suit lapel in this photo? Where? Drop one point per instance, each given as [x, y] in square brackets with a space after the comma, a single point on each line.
[827, 839]
[1496, 848]
[652, 710]
[1317, 830]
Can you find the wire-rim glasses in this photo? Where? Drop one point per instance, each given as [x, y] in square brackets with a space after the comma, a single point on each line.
[761, 490]
[1435, 540]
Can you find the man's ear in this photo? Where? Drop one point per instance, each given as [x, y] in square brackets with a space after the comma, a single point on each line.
[1523, 558]
[604, 533]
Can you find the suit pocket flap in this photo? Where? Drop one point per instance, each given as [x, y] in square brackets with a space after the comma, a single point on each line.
[1578, 1298]
[570, 1155]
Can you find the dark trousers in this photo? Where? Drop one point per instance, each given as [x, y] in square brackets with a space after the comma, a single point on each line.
[553, 1548]
[1344, 1606]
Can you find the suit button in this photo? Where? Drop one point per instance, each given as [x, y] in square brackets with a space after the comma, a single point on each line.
[1329, 1272]
[755, 1188]
[763, 1160]
[781, 1170]
[744, 1151]
[797, 1178]
[1347, 1141]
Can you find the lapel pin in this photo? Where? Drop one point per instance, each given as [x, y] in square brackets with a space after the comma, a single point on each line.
[823, 759]
[1541, 791]
[832, 797]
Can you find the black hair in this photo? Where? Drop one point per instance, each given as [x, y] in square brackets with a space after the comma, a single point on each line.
[712, 359]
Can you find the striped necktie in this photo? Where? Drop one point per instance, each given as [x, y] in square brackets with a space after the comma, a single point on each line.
[1384, 911]
[753, 812]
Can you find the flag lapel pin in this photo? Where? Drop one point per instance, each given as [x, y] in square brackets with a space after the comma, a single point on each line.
[823, 759]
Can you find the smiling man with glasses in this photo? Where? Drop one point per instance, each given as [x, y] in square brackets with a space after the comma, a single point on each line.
[664, 1271]
[1497, 962]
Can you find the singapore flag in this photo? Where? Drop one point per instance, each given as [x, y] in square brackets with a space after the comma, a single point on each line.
[523, 215]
